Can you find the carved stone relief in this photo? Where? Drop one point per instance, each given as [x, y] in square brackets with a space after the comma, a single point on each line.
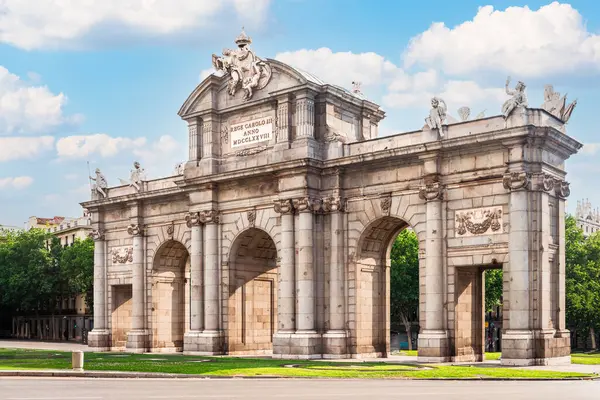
[252, 217]
[479, 221]
[122, 255]
[386, 204]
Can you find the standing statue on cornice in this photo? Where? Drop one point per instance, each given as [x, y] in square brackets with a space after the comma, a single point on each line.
[518, 99]
[245, 68]
[101, 183]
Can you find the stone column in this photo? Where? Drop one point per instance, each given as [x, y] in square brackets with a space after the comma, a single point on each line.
[211, 339]
[335, 345]
[433, 341]
[99, 337]
[305, 342]
[190, 341]
[305, 270]
[286, 298]
[137, 338]
[517, 340]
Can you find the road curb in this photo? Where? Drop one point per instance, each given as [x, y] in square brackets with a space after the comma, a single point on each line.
[150, 375]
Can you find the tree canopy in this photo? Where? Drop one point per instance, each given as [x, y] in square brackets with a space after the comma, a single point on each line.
[404, 280]
[35, 270]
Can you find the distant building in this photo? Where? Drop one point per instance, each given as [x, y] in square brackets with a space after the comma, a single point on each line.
[71, 319]
[65, 228]
[587, 218]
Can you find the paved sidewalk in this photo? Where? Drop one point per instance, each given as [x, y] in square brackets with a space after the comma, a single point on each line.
[39, 345]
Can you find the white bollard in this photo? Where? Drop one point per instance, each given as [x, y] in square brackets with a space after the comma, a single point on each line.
[77, 361]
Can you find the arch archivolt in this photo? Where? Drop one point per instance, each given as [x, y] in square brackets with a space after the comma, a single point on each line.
[158, 235]
[235, 224]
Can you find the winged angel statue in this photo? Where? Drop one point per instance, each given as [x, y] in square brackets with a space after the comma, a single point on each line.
[245, 68]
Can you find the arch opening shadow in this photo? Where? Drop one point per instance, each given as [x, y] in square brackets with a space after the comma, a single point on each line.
[252, 304]
[170, 297]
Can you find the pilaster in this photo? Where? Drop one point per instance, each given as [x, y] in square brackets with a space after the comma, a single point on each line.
[210, 339]
[434, 343]
[99, 337]
[191, 338]
[335, 340]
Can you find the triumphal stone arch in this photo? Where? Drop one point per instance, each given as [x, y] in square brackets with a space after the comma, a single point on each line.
[275, 236]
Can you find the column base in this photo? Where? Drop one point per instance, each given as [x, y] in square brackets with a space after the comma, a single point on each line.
[540, 347]
[137, 341]
[335, 345]
[99, 340]
[434, 346]
[297, 345]
[206, 343]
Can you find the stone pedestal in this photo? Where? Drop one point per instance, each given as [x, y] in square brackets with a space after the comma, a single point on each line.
[335, 345]
[137, 341]
[99, 340]
[434, 346]
[203, 343]
[297, 345]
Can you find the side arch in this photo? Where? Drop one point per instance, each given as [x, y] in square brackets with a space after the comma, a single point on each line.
[170, 294]
[373, 226]
[251, 305]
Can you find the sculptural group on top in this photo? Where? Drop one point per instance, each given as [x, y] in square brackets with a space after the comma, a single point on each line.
[553, 103]
[247, 71]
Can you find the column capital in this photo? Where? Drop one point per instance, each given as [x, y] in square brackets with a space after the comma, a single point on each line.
[334, 204]
[209, 216]
[431, 191]
[283, 206]
[516, 180]
[192, 219]
[549, 183]
[97, 235]
[306, 204]
[136, 230]
[562, 189]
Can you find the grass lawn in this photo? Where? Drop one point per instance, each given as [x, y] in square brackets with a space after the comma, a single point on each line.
[586, 358]
[230, 366]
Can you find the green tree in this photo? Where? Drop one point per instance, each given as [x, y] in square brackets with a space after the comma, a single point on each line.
[582, 279]
[77, 263]
[27, 275]
[404, 280]
[493, 288]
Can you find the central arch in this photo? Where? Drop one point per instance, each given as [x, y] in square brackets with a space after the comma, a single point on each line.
[372, 282]
[170, 297]
[252, 304]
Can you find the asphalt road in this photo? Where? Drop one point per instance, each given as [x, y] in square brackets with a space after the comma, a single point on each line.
[264, 389]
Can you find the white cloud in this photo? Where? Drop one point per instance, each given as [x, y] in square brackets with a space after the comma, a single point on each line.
[25, 108]
[518, 40]
[70, 24]
[160, 157]
[342, 68]
[81, 146]
[15, 148]
[455, 93]
[590, 148]
[71, 176]
[18, 182]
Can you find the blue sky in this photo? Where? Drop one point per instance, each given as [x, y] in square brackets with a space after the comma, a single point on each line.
[103, 83]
